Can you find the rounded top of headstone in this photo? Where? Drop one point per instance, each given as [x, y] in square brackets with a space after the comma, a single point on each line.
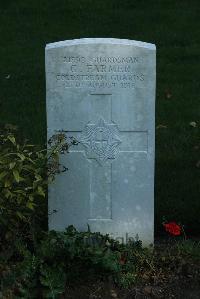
[117, 41]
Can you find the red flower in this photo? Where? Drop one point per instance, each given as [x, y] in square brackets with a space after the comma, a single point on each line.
[122, 260]
[173, 228]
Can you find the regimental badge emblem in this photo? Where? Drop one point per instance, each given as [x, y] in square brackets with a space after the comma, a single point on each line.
[101, 140]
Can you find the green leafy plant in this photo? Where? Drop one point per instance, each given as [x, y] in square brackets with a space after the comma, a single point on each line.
[84, 252]
[125, 280]
[25, 171]
[53, 280]
[58, 260]
[22, 181]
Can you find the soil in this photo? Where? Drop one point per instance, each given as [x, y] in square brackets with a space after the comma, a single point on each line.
[183, 289]
[176, 280]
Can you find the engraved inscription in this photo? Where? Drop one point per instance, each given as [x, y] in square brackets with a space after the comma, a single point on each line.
[100, 72]
[101, 140]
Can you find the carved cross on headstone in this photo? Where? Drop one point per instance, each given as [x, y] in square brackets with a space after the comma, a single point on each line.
[103, 141]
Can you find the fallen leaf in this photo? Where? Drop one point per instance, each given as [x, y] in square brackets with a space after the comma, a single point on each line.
[113, 294]
[168, 94]
[198, 164]
[196, 147]
[193, 124]
[161, 127]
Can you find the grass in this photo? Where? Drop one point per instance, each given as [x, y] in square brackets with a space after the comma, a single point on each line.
[173, 25]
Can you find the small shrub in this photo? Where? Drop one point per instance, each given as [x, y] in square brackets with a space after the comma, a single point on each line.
[25, 171]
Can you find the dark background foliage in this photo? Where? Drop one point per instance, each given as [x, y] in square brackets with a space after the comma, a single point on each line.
[174, 26]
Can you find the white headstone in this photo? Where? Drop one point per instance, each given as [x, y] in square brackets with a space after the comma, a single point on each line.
[102, 91]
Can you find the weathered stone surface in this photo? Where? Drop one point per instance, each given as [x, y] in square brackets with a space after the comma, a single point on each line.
[102, 91]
